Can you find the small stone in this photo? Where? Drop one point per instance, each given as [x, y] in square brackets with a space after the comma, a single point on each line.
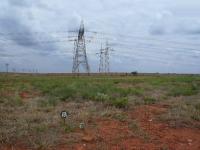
[150, 120]
[189, 141]
[88, 138]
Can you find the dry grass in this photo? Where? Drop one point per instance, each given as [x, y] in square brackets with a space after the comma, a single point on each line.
[184, 112]
[35, 120]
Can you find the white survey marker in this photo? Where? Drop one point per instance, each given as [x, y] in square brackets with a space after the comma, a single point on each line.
[64, 114]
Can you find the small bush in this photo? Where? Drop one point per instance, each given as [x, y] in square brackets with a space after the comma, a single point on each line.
[197, 106]
[87, 95]
[184, 90]
[120, 117]
[102, 97]
[122, 92]
[116, 82]
[50, 101]
[64, 93]
[14, 101]
[137, 91]
[196, 115]
[137, 130]
[69, 127]
[120, 102]
[133, 125]
[182, 114]
[41, 128]
[149, 100]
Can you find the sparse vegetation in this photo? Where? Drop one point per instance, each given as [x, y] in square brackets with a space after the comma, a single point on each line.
[149, 100]
[30, 106]
[183, 112]
[120, 102]
[184, 90]
[137, 130]
[120, 116]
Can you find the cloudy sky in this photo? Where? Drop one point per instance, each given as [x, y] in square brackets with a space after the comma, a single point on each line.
[147, 35]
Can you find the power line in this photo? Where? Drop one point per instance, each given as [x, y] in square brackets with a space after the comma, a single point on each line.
[155, 59]
[156, 47]
[144, 38]
[118, 35]
[142, 46]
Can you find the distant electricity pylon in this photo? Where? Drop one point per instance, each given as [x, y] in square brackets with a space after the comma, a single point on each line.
[7, 67]
[101, 61]
[80, 55]
[104, 64]
[13, 70]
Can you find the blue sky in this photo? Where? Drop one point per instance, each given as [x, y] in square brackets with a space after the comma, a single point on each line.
[148, 36]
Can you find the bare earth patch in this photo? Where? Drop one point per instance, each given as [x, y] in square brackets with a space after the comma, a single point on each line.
[115, 135]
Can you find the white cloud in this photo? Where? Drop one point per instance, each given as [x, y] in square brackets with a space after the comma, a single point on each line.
[152, 27]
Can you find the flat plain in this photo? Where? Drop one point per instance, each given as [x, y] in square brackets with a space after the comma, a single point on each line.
[105, 112]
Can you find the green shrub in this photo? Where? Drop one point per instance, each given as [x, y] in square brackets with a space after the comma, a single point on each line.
[116, 82]
[120, 117]
[184, 90]
[122, 92]
[63, 93]
[137, 130]
[133, 125]
[119, 102]
[149, 100]
[137, 91]
[50, 101]
[197, 106]
[68, 129]
[102, 97]
[41, 128]
[196, 116]
[14, 101]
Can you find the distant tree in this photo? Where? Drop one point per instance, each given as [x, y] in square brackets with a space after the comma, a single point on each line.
[134, 73]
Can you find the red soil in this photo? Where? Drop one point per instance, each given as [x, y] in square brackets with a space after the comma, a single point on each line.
[18, 146]
[24, 95]
[115, 135]
[112, 134]
[27, 94]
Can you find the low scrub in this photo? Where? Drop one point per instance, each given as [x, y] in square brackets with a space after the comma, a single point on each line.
[119, 102]
[63, 92]
[120, 116]
[184, 90]
[137, 130]
[48, 102]
[149, 100]
[183, 114]
[102, 97]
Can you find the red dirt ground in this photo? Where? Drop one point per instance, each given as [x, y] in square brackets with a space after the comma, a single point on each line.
[28, 94]
[115, 135]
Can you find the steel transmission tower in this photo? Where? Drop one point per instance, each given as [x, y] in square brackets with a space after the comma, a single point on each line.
[107, 64]
[101, 63]
[104, 64]
[80, 55]
[7, 67]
